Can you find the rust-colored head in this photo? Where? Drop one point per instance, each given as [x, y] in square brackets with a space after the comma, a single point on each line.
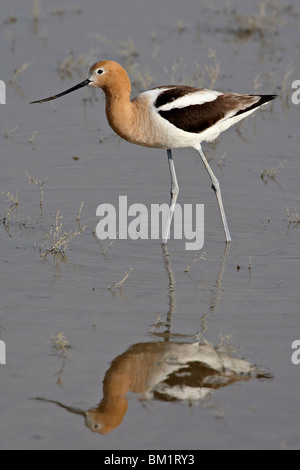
[107, 74]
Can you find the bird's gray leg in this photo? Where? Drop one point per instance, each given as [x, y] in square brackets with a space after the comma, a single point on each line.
[174, 195]
[216, 187]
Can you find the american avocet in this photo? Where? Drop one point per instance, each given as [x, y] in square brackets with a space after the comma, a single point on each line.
[168, 117]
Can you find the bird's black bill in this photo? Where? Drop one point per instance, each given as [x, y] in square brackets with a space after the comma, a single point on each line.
[76, 87]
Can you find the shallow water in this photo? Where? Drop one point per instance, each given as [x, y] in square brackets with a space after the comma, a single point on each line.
[165, 391]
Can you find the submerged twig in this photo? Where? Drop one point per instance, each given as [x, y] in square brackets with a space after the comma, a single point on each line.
[120, 283]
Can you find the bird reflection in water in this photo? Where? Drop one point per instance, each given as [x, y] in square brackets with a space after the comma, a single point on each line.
[167, 369]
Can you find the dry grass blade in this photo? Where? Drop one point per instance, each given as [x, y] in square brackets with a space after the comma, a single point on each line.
[79, 212]
[57, 240]
[15, 203]
[40, 184]
[8, 132]
[213, 71]
[119, 284]
[19, 70]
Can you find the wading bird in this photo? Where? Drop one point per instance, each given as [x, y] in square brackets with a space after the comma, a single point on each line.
[168, 117]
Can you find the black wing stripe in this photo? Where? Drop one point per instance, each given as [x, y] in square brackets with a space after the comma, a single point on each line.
[172, 93]
[199, 117]
[195, 118]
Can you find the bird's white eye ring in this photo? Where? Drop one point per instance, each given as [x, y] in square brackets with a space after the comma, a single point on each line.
[99, 71]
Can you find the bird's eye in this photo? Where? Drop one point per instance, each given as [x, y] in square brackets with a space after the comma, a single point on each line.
[99, 71]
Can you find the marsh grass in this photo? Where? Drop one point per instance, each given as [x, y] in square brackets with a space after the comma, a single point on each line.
[103, 247]
[293, 218]
[57, 240]
[40, 183]
[126, 52]
[199, 76]
[124, 49]
[270, 174]
[77, 64]
[269, 18]
[13, 216]
[141, 81]
[79, 213]
[15, 202]
[213, 70]
[158, 40]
